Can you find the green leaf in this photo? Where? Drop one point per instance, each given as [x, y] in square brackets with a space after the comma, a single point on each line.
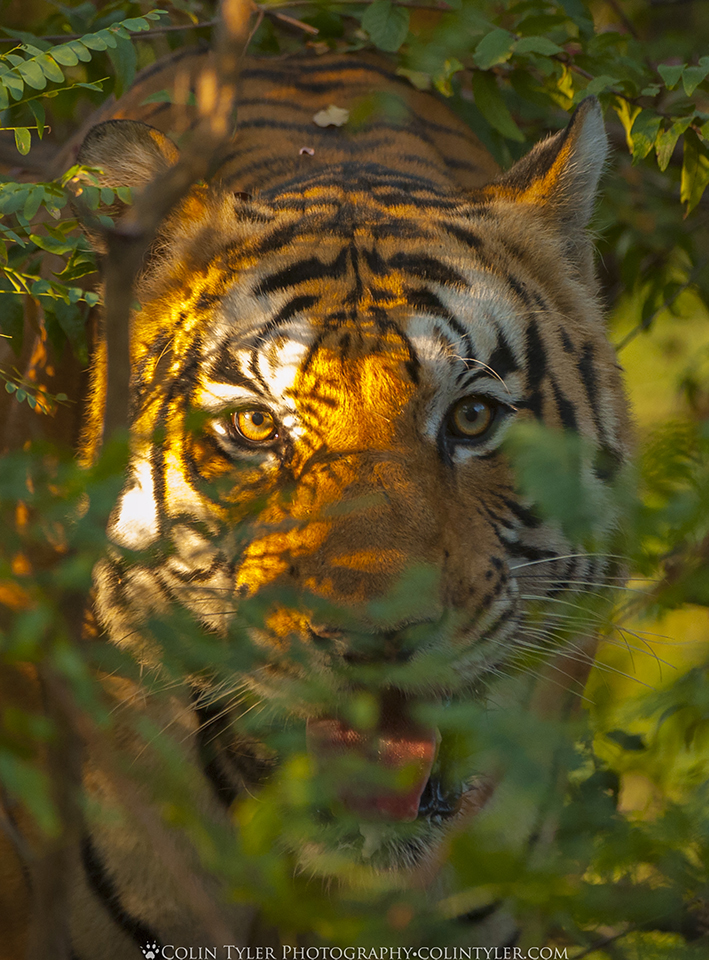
[489, 102]
[533, 44]
[110, 37]
[40, 288]
[442, 82]
[80, 50]
[52, 244]
[692, 77]
[135, 24]
[495, 47]
[49, 68]
[417, 78]
[14, 84]
[23, 140]
[20, 395]
[97, 85]
[4, 98]
[10, 387]
[549, 465]
[33, 202]
[643, 133]
[32, 74]
[386, 24]
[160, 96]
[31, 49]
[37, 109]
[695, 170]
[667, 141]
[125, 194]
[29, 40]
[65, 55]
[13, 198]
[71, 318]
[599, 84]
[94, 41]
[125, 62]
[626, 115]
[670, 73]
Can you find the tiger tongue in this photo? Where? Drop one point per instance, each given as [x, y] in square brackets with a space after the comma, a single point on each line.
[395, 746]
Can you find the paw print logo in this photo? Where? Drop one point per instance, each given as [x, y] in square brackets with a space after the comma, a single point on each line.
[150, 951]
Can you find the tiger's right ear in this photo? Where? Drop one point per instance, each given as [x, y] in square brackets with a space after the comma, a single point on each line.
[130, 154]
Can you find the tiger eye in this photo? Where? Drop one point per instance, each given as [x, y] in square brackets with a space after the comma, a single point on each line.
[256, 426]
[471, 418]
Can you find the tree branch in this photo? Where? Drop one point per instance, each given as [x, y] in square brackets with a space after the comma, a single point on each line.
[129, 240]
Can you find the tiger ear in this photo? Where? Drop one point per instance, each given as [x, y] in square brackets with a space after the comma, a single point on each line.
[130, 154]
[559, 176]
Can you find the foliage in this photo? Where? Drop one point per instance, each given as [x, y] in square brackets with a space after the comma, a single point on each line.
[630, 865]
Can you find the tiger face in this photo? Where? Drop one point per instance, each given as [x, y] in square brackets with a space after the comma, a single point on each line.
[323, 378]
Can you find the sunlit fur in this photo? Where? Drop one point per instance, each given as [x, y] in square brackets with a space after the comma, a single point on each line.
[356, 290]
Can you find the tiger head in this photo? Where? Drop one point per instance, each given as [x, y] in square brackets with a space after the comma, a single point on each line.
[323, 376]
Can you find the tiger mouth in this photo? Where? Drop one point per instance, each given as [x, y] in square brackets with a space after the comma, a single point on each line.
[400, 748]
[394, 775]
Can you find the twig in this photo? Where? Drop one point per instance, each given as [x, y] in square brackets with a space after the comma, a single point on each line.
[646, 324]
[49, 934]
[203, 24]
[622, 15]
[130, 239]
[293, 22]
[154, 31]
[604, 942]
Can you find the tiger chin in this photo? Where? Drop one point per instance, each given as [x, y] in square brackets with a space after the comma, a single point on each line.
[331, 346]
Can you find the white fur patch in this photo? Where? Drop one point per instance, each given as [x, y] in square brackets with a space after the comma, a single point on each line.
[136, 524]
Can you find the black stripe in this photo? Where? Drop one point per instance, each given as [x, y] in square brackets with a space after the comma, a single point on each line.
[567, 411]
[536, 362]
[294, 306]
[207, 736]
[528, 517]
[103, 887]
[502, 359]
[465, 236]
[427, 302]
[278, 238]
[587, 370]
[427, 268]
[566, 342]
[303, 270]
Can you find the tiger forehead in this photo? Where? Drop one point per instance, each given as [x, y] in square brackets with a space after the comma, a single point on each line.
[356, 398]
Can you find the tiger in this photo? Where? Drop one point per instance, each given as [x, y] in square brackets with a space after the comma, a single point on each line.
[333, 336]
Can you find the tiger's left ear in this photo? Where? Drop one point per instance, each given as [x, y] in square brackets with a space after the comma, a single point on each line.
[559, 176]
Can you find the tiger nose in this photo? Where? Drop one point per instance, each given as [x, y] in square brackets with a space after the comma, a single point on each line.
[357, 649]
